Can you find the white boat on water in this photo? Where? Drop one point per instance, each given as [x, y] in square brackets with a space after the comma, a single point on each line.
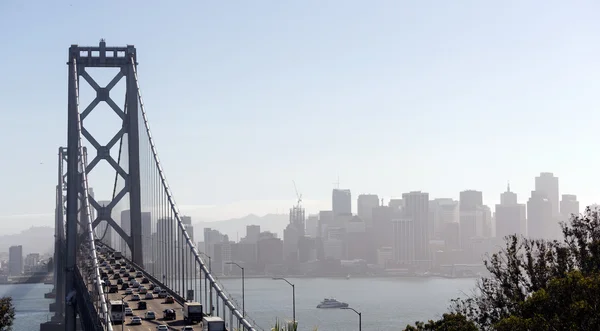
[332, 303]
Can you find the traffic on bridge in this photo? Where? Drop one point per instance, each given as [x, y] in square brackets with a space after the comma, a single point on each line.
[138, 304]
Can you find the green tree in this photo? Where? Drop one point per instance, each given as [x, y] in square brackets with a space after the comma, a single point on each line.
[569, 303]
[449, 322]
[540, 285]
[7, 314]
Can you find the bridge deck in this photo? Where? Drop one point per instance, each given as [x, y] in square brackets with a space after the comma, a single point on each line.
[156, 305]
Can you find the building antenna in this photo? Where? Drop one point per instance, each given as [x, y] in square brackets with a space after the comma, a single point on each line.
[508, 186]
[337, 183]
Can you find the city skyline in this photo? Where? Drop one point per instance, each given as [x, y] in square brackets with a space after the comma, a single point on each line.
[244, 208]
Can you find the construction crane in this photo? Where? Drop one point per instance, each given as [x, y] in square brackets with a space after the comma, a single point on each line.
[298, 195]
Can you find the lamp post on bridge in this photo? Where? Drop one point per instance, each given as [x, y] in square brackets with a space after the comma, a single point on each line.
[243, 290]
[205, 280]
[359, 317]
[123, 311]
[293, 296]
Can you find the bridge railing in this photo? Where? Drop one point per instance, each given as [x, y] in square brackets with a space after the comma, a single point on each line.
[184, 237]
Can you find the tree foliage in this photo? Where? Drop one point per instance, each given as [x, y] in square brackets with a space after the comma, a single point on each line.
[7, 313]
[449, 322]
[540, 285]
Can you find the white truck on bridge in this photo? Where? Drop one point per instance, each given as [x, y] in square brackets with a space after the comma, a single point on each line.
[192, 312]
[213, 323]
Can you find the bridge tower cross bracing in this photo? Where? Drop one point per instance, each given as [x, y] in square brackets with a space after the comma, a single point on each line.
[123, 58]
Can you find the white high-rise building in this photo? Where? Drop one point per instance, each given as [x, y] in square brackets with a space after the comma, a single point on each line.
[403, 251]
[341, 201]
[441, 212]
[569, 206]
[548, 184]
[416, 208]
[510, 215]
[312, 226]
[540, 223]
[364, 207]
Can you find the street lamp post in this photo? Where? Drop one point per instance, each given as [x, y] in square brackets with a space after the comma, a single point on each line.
[243, 289]
[205, 282]
[359, 317]
[293, 296]
[123, 311]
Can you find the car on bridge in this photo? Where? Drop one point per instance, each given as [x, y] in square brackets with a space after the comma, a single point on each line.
[141, 305]
[135, 320]
[150, 315]
[169, 314]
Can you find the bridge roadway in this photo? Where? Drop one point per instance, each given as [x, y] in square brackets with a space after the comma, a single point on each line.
[156, 305]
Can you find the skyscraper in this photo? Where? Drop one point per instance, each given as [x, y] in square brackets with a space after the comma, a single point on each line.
[403, 250]
[441, 211]
[341, 202]
[416, 208]
[187, 224]
[471, 216]
[510, 215]
[548, 184]
[568, 206]
[15, 260]
[540, 222]
[364, 207]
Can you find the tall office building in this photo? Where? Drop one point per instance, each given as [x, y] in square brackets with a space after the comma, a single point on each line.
[540, 223]
[471, 216]
[252, 233]
[292, 234]
[403, 250]
[548, 184]
[163, 247]
[510, 215]
[15, 260]
[341, 202]
[146, 220]
[187, 224]
[568, 206]
[416, 208]
[312, 226]
[441, 211]
[325, 221]
[364, 207]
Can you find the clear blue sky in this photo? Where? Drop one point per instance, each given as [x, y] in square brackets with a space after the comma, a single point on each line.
[246, 96]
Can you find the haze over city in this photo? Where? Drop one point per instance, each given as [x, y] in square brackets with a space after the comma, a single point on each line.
[226, 165]
[387, 102]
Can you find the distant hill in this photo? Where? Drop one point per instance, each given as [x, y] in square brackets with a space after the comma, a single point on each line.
[236, 228]
[37, 239]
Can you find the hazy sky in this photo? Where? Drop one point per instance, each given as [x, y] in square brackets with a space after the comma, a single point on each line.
[245, 96]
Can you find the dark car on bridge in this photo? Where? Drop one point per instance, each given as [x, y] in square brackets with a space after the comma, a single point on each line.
[169, 314]
[142, 305]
